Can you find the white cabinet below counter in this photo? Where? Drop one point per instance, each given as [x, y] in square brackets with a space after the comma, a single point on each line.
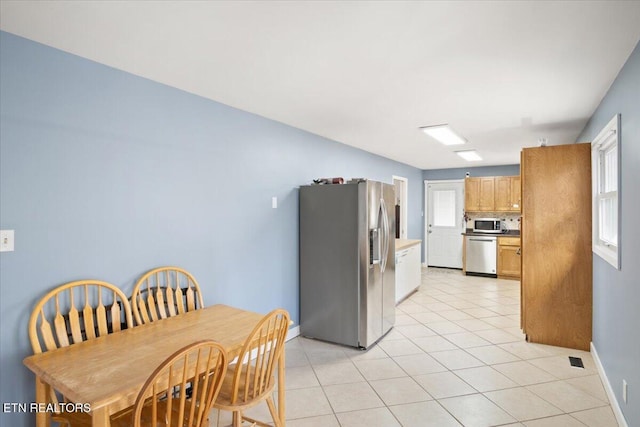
[408, 267]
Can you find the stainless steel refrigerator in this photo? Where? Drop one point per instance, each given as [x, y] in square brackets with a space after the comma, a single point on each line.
[347, 262]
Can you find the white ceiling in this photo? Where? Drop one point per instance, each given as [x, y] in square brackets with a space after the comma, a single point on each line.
[367, 74]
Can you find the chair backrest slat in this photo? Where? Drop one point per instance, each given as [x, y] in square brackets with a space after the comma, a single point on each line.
[158, 304]
[60, 325]
[47, 335]
[165, 292]
[154, 411]
[74, 320]
[190, 299]
[150, 308]
[116, 314]
[101, 316]
[271, 362]
[179, 300]
[87, 316]
[171, 300]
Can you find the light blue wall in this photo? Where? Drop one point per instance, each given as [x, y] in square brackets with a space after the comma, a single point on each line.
[616, 294]
[459, 173]
[106, 175]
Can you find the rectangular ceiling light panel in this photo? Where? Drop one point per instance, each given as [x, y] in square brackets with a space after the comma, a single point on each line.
[444, 134]
[469, 155]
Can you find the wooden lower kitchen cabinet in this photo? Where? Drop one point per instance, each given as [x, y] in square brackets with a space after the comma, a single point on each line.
[408, 267]
[509, 257]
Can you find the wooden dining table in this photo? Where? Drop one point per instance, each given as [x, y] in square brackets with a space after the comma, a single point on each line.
[108, 372]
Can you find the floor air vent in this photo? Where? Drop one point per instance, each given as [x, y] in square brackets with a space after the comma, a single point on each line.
[576, 362]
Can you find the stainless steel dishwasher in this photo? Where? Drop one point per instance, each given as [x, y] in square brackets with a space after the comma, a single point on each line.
[481, 255]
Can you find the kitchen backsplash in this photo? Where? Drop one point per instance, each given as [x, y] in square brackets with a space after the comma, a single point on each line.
[511, 219]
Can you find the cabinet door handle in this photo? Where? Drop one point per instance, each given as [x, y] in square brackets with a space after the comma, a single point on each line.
[519, 251]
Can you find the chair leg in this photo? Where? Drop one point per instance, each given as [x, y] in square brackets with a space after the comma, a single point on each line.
[237, 419]
[274, 412]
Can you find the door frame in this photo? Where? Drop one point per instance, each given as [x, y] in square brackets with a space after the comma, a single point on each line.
[426, 210]
[404, 205]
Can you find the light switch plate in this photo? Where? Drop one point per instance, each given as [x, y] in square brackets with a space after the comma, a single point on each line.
[7, 238]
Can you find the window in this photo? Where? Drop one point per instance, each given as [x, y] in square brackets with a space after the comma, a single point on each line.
[444, 208]
[605, 155]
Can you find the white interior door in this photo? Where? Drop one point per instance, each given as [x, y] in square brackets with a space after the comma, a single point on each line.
[445, 223]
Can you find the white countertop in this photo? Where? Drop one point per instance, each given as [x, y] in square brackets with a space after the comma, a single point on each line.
[406, 243]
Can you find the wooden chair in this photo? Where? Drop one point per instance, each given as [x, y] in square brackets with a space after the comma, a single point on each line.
[252, 379]
[163, 401]
[72, 313]
[165, 292]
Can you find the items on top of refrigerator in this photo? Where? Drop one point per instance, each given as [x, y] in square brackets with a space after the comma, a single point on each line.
[322, 181]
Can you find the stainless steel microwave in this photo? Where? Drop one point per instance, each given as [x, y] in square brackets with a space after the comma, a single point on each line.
[487, 225]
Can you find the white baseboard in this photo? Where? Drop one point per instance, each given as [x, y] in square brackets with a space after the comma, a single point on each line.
[293, 332]
[607, 386]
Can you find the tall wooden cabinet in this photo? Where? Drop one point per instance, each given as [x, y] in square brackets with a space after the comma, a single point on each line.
[556, 245]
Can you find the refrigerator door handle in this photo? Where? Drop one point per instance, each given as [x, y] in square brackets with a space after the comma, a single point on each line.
[385, 232]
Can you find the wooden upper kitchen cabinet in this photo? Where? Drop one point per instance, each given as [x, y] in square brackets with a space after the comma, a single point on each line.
[479, 194]
[492, 194]
[557, 266]
[509, 257]
[503, 193]
[516, 193]
[472, 194]
[507, 193]
[487, 194]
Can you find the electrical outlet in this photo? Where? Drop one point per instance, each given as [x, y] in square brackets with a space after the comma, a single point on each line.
[274, 202]
[625, 387]
[6, 240]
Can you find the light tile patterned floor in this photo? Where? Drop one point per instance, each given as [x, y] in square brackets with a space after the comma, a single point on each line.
[456, 357]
